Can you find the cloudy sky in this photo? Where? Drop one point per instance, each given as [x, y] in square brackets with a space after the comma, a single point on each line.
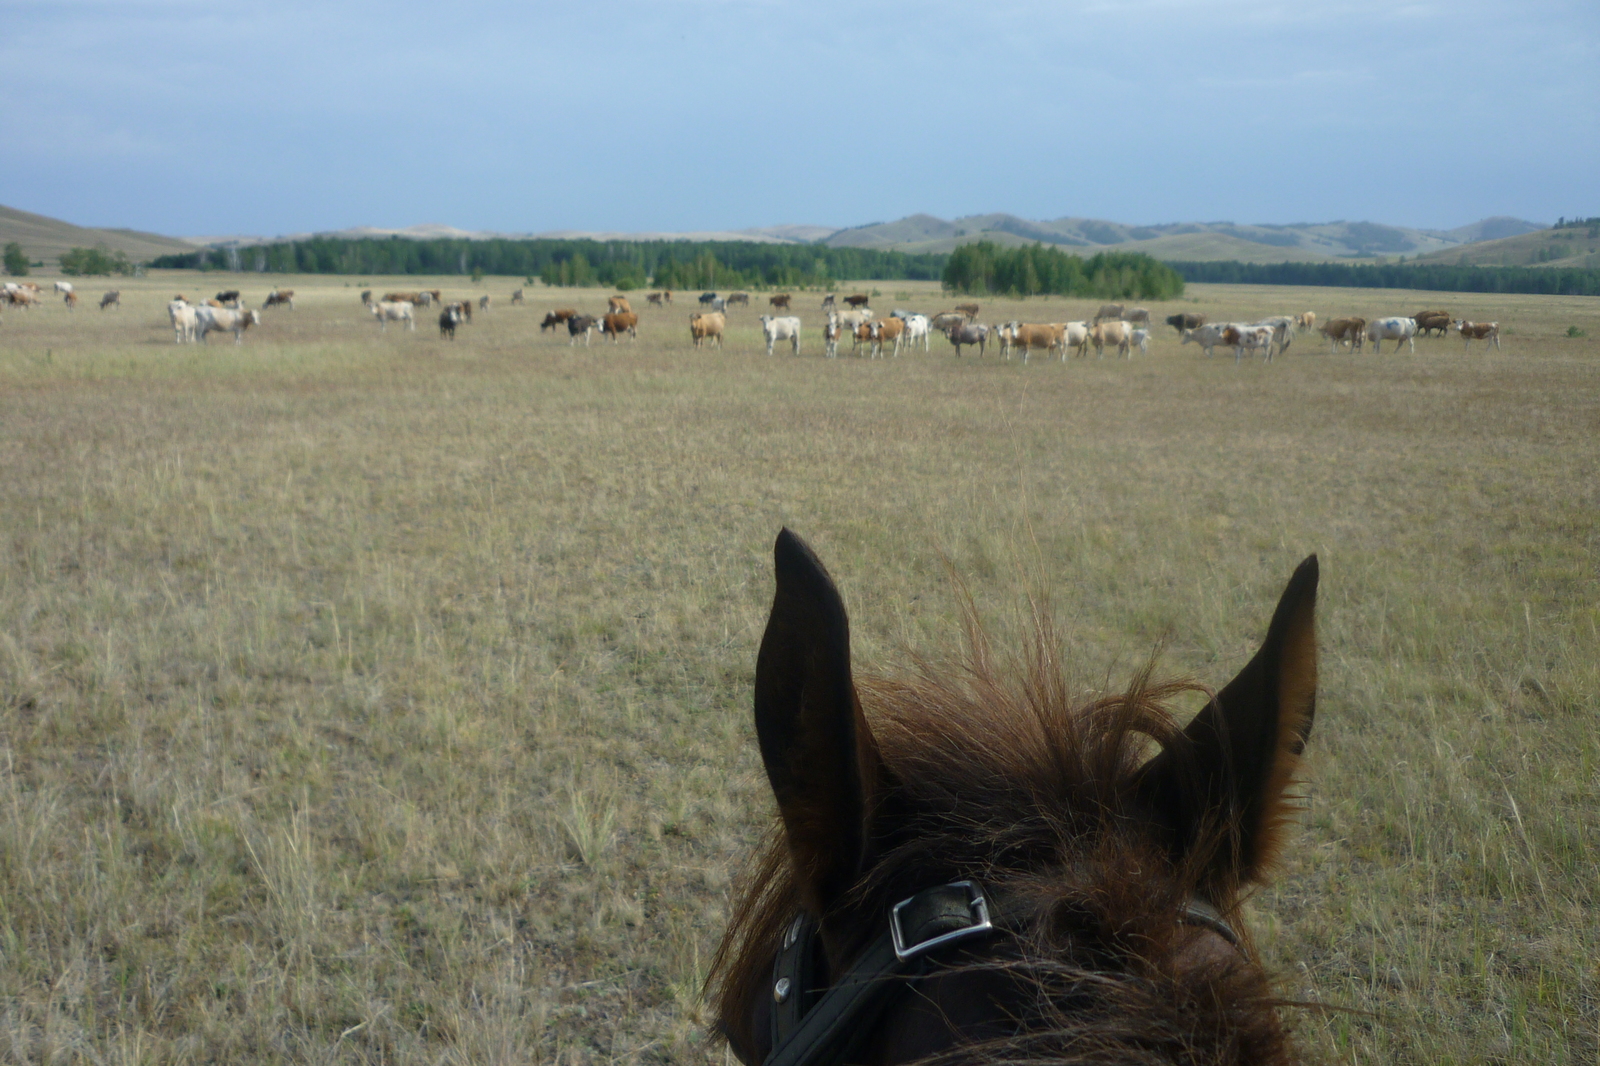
[207, 117]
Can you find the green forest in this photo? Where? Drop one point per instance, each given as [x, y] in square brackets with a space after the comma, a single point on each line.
[1038, 270]
[1438, 277]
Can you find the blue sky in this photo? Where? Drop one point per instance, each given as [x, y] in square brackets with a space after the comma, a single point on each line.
[207, 117]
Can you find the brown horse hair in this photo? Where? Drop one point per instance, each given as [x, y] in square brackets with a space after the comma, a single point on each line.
[1002, 774]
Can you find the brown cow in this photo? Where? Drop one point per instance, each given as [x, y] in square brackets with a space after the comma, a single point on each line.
[71, 300]
[619, 322]
[703, 326]
[1305, 323]
[779, 301]
[1186, 320]
[556, 318]
[1488, 332]
[887, 329]
[862, 335]
[402, 298]
[970, 310]
[1044, 336]
[1116, 333]
[1340, 330]
[279, 296]
[858, 300]
[1428, 321]
[653, 298]
[618, 305]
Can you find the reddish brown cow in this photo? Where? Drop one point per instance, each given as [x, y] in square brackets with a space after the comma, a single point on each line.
[780, 301]
[617, 323]
[858, 300]
[556, 319]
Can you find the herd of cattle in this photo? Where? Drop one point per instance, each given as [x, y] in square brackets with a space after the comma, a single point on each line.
[1115, 326]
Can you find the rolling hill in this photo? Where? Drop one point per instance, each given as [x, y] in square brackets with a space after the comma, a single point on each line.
[1565, 247]
[46, 238]
[1301, 242]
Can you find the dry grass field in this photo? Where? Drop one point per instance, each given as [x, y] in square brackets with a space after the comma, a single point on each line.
[379, 698]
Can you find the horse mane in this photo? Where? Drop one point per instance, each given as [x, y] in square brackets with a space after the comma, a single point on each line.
[996, 769]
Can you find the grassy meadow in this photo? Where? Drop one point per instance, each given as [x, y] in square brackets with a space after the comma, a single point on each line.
[375, 698]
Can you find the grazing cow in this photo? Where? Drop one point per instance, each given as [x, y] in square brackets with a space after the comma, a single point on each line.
[1186, 320]
[516, 298]
[228, 298]
[1118, 333]
[827, 301]
[830, 336]
[1428, 321]
[387, 311]
[653, 298]
[970, 310]
[184, 321]
[739, 298]
[617, 323]
[554, 319]
[917, 327]
[1137, 314]
[26, 299]
[1076, 336]
[858, 300]
[719, 305]
[111, 299]
[945, 319]
[280, 296]
[781, 329]
[705, 325]
[890, 330]
[226, 320]
[465, 307]
[438, 297]
[968, 333]
[413, 298]
[1206, 335]
[779, 301]
[366, 297]
[1107, 311]
[583, 324]
[1306, 322]
[1255, 338]
[1488, 332]
[666, 296]
[1341, 330]
[862, 334]
[449, 319]
[1392, 329]
[426, 298]
[618, 305]
[63, 286]
[706, 298]
[71, 300]
[1141, 337]
[483, 303]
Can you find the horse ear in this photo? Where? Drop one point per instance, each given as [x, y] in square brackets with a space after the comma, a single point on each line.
[817, 748]
[1222, 785]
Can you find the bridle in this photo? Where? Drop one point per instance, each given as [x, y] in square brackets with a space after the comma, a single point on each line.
[821, 1027]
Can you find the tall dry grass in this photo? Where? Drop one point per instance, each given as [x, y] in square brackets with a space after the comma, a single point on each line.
[381, 699]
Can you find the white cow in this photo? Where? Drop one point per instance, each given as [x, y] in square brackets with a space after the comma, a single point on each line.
[830, 336]
[63, 286]
[225, 320]
[1392, 329]
[1077, 335]
[1207, 336]
[1141, 337]
[184, 321]
[916, 329]
[853, 319]
[1282, 331]
[781, 329]
[387, 311]
[1253, 338]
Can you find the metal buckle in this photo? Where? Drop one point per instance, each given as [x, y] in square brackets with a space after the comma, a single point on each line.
[975, 904]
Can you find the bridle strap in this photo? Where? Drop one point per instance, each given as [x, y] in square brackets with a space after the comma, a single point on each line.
[815, 1027]
[810, 1028]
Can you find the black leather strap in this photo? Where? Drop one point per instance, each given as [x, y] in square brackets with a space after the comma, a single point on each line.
[812, 1029]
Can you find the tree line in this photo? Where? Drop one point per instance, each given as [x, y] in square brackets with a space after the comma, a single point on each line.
[620, 264]
[1439, 277]
[1037, 270]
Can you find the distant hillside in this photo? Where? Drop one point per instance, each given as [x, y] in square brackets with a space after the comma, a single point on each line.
[46, 238]
[1300, 242]
[1565, 247]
